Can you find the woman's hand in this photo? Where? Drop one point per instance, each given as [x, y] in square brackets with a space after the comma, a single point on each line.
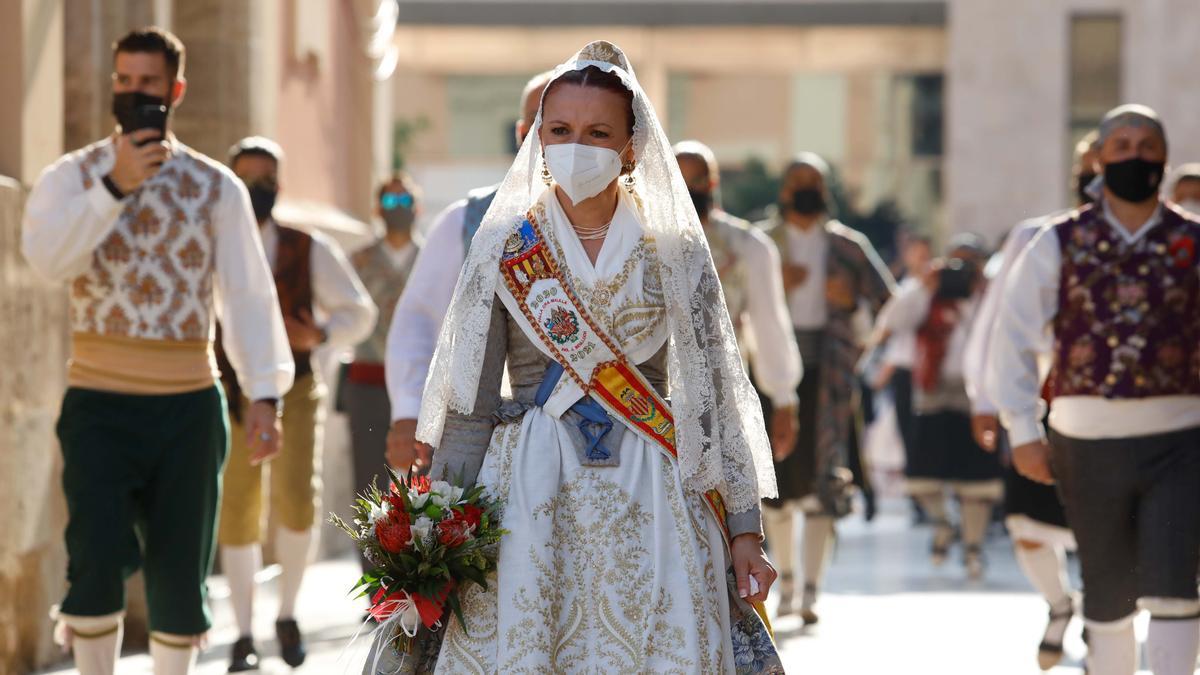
[750, 561]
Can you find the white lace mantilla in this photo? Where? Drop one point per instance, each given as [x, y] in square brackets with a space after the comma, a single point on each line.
[720, 436]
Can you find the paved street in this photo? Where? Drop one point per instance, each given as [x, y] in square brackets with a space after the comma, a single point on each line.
[886, 611]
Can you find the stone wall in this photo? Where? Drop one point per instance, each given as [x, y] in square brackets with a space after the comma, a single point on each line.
[34, 343]
[1007, 102]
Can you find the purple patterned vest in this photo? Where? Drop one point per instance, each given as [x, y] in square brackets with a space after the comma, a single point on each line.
[1128, 324]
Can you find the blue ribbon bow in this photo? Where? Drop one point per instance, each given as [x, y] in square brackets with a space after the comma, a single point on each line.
[595, 423]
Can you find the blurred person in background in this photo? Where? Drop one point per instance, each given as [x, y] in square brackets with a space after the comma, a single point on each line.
[1116, 285]
[313, 280]
[384, 268]
[751, 278]
[938, 314]
[899, 350]
[1185, 187]
[417, 321]
[158, 241]
[828, 270]
[1033, 512]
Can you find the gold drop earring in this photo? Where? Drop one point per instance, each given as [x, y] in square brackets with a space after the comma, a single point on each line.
[546, 177]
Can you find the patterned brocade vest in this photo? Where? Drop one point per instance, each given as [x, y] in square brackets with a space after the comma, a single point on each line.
[142, 313]
[1129, 313]
[152, 277]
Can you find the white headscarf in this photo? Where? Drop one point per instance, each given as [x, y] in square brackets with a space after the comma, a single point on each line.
[720, 437]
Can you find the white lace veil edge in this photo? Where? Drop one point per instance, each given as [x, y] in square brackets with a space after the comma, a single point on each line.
[720, 436]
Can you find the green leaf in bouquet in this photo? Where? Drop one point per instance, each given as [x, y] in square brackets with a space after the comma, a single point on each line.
[401, 485]
[475, 575]
[456, 607]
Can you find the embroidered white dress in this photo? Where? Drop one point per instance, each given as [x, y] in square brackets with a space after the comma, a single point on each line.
[605, 568]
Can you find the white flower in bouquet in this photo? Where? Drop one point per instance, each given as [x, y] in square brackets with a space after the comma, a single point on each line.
[422, 530]
[443, 494]
[418, 500]
[378, 512]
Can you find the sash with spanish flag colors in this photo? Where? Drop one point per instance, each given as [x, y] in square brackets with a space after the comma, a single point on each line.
[593, 361]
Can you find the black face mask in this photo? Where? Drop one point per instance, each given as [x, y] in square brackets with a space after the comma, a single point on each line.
[398, 219]
[703, 202]
[262, 198]
[808, 201]
[1134, 180]
[1081, 188]
[135, 110]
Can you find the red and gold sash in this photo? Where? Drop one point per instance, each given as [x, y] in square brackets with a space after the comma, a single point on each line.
[568, 334]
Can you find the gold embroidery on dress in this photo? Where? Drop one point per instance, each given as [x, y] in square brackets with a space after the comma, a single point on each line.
[634, 320]
[599, 576]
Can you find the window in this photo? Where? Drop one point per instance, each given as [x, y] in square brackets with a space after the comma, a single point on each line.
[927, 115]
[1095, 72]
[483, 110]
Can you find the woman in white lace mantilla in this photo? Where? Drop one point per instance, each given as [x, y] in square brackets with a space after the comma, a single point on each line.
[632, 454]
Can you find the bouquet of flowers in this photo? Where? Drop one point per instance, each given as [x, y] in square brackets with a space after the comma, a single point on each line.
[427, 540]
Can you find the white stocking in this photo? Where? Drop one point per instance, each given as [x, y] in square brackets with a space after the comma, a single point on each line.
[173, 654]
[291, 548]
[95, 640]
[1112, 647]
[240, 564]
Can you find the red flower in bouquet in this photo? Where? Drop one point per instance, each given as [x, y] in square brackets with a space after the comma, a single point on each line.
[394, 531]
[454, 531]
[419, 484]
[473, 515]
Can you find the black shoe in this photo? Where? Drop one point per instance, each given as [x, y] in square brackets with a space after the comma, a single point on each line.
[291, 643]
[243, 657]
[1050, 652]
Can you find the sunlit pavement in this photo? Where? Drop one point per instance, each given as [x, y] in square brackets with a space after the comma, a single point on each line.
[886, 610]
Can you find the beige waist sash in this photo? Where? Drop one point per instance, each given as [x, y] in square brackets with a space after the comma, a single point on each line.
[139, 366]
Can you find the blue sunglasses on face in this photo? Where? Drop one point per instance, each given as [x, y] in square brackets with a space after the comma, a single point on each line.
[395, 200]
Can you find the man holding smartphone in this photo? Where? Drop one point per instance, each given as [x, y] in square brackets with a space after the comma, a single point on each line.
[158, 241]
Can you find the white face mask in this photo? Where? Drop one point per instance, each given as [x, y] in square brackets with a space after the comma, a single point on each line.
[582, 171]
[1191, 206]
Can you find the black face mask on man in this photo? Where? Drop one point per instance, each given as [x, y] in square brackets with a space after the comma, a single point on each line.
[808, 201]
[135, 110]
[1134, 180]
[399, 219]
[262, 198]
[702, 200]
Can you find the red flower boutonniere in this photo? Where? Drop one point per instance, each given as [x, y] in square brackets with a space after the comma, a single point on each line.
[1183, 252]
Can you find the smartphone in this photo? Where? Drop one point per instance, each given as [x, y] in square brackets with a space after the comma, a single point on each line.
[150, 117]
[956, 281]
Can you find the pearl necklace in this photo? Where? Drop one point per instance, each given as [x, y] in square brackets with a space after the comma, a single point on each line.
[592, 234]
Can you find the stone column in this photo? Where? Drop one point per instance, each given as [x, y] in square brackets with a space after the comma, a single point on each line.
[223, 44]
[91, 28]
[33, 340]
[1006, 113]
